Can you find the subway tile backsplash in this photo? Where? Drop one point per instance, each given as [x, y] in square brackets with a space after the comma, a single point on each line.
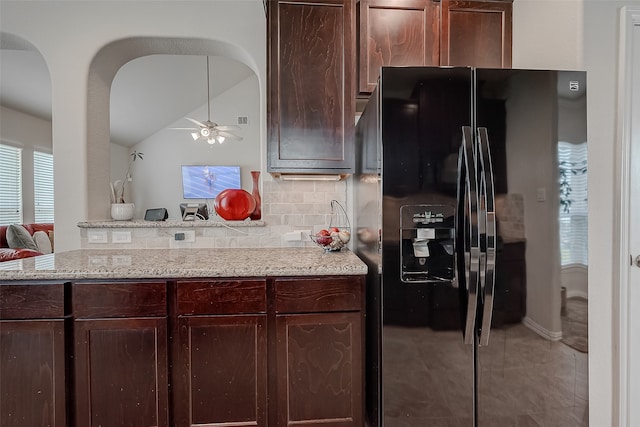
[286, 206]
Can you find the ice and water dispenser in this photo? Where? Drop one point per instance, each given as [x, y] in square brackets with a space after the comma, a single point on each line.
[427, 235]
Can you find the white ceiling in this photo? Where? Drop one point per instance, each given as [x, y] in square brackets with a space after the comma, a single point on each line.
[147, 94]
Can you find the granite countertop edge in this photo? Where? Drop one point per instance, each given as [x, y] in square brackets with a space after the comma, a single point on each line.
[182, 263]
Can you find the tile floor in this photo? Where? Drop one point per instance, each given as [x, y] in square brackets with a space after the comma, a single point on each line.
[524, 380]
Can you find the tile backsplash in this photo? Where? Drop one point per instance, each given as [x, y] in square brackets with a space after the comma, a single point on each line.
[287, 206]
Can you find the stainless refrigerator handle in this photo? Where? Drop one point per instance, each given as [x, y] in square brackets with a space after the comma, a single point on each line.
[467, 236]
[487, 218]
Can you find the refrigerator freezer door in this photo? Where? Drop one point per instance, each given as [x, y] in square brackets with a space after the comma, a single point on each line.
[467, 234]
[487, 227]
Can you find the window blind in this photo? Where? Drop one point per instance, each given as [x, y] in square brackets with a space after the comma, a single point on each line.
[10, 185]
[43, 186]
[572, 160]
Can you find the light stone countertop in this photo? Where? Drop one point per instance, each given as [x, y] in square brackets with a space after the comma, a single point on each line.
[182, 263]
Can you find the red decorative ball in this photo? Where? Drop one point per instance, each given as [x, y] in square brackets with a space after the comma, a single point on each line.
[234, 204]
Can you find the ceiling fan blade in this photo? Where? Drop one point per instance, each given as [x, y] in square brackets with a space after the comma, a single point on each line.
[196, 122]
[227, 127]
[230, 136]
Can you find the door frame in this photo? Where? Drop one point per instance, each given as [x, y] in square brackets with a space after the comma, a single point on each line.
[629, 17]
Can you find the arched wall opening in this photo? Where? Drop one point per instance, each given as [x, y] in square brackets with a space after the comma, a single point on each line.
[31, 132]
[102, 71]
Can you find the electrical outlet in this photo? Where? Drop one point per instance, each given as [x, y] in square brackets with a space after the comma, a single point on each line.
[97, 236]
[121, 260]
[296, 235]
[291, 236]
[120, 237]
[304, 234]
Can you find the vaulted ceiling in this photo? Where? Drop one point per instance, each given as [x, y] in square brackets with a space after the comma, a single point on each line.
[147, 94]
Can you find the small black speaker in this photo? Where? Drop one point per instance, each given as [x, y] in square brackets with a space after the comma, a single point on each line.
[157, 214]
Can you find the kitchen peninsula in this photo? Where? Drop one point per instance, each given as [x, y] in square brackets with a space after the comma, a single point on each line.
[179, 337]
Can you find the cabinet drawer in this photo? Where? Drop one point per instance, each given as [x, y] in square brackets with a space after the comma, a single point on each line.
[32, 301]
[122, 299]
[221, 297]
[304, 295]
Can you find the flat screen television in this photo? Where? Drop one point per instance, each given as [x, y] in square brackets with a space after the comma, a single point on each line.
[206, 182]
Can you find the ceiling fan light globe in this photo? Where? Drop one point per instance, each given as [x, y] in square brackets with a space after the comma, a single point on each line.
[205, 132]
[220, 139]
[195, 135]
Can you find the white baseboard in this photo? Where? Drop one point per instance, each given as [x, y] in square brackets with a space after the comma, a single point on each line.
[543, 332]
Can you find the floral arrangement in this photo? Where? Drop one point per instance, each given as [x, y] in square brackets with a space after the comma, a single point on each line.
[117, 187]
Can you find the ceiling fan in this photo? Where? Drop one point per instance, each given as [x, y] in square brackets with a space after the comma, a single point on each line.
[208, 130]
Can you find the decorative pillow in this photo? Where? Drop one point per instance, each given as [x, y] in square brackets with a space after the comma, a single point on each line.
[52, 241]
[19, 237]
[42, 242]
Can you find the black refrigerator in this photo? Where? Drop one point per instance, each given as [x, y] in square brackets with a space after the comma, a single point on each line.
[459, 194]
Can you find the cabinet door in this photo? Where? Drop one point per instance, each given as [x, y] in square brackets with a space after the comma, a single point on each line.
[32, 354]
[120, 344]
[32, 373]
[394, 33]
[121, 372]
[311, 110]
[319, 364]
[476, 33]
[220, 373]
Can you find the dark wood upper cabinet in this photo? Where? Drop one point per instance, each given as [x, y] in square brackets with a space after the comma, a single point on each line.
[431, 33]
[311, 78]
[396, 33]
[476, 33]
[321, 57]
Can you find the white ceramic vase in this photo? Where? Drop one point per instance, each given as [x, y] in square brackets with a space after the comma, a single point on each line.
[122, 211]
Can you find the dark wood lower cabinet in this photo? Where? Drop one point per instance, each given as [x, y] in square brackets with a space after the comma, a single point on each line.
[262, 352]
[121, 372]
[220, 362]
[32, 355]
[32, 375]
[319, 356]
[319, 369]
[121, 358]
[221, 371]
